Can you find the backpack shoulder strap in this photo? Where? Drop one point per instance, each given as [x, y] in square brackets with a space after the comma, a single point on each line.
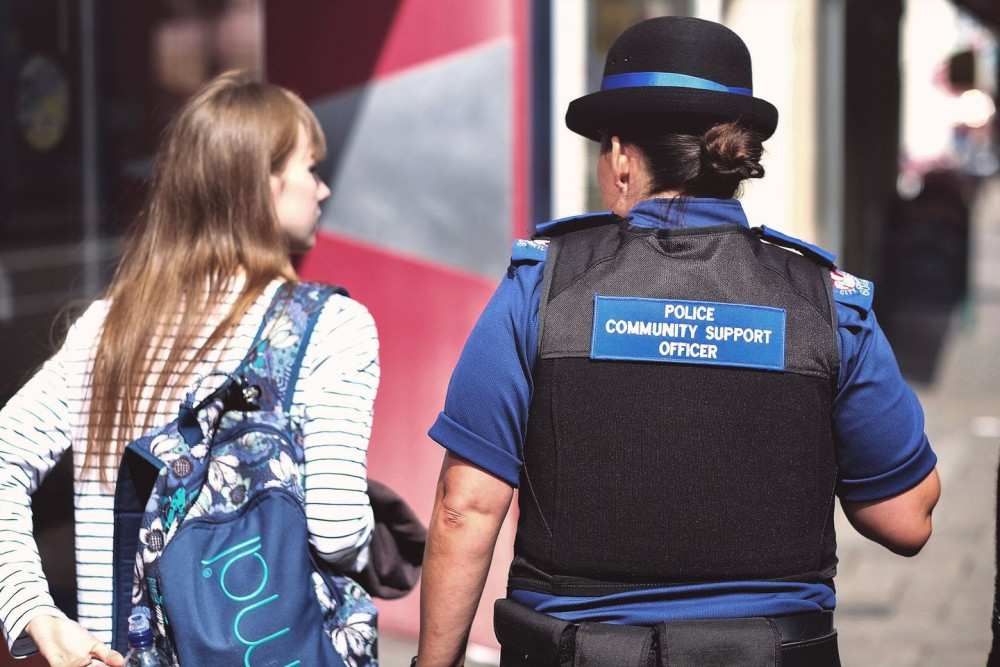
[273, 361]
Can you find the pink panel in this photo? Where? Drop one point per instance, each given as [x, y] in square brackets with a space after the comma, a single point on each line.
[424, 314]
[427, 29]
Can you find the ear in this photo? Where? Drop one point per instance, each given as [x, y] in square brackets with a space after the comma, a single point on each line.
[277, 185]
[621, 157]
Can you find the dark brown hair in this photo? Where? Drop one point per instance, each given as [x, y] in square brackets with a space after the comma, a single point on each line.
[713, 164]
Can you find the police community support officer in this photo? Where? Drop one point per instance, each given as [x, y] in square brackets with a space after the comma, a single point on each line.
[678, 398]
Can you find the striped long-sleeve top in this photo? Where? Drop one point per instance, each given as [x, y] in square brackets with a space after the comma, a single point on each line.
[337, 385]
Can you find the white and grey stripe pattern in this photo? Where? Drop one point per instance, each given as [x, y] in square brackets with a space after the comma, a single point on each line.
[337, 386]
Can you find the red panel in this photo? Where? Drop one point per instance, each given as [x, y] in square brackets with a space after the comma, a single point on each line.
[318, 47]
[424, 314]
[427, 29]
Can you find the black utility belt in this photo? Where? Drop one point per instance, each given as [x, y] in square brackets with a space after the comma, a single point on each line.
[531, 639]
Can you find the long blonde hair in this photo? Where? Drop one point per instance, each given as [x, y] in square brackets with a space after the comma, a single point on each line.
[209, 218]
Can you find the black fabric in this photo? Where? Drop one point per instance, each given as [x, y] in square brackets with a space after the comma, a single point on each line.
[512, 657]
[609, 645]
[396, 552]
[816, 293]
[748, 642]
[822, 652]
[719, 497]
[529, 637]
[676, 45]
[816, 653]
[805, 626]
[728, 263]
[642, 473]
[604, 243]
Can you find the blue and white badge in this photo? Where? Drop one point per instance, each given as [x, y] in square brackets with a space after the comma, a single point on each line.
[688, 332]
[851, 290]
[524, 250]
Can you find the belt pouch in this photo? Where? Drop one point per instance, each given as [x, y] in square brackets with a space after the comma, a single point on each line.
[748, 642]
[541, 637]
[609, 645]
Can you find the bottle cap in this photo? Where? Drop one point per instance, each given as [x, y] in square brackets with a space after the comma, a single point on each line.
[139, 632]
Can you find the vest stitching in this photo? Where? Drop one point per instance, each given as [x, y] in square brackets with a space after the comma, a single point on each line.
[591, 268]
[789, 283]
[835, 323]
[556, 501]
[829, 523]
[552, 297]
[534, 499]
[832, 325]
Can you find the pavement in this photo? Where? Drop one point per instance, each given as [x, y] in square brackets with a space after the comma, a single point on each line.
[932, 610]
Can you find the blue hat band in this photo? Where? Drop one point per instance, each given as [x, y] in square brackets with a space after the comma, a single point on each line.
[667, 79]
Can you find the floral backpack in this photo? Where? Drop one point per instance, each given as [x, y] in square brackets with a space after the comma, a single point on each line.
[211, 540]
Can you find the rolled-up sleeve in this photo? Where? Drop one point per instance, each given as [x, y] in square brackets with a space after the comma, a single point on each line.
[486, 410]
[878, 422]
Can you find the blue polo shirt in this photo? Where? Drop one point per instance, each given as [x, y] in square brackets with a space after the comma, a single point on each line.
[878, 425]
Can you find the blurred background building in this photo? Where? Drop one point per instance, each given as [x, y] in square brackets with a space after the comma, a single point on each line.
[444, 120]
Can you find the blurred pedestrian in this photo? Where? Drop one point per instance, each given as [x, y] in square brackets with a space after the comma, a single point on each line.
[678, 397]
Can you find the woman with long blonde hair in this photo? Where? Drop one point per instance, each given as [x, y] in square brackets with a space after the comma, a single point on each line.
[234, 195]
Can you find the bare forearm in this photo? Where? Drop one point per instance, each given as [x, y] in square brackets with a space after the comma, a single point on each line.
[901, 523]
[456, 563]
[468, 511]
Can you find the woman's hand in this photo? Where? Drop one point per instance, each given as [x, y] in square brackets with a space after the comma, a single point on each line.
[66, 643]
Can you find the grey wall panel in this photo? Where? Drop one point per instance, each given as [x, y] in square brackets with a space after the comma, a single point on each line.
[421, 162]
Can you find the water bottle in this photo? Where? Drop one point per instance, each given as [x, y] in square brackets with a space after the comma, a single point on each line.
[142, 649]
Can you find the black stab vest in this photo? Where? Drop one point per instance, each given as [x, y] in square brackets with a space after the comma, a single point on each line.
[639, 474]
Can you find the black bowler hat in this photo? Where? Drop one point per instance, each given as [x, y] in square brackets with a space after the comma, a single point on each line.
[673, 74]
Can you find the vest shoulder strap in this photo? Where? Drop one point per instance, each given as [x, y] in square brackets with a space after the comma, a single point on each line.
[815, 253]
[574, 223]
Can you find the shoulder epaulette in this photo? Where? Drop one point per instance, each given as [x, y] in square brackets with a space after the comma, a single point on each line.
[851, 290]
[525, 250]
[815, 253]
[573, 223]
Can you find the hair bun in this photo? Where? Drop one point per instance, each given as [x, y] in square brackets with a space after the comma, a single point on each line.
[729, 151]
